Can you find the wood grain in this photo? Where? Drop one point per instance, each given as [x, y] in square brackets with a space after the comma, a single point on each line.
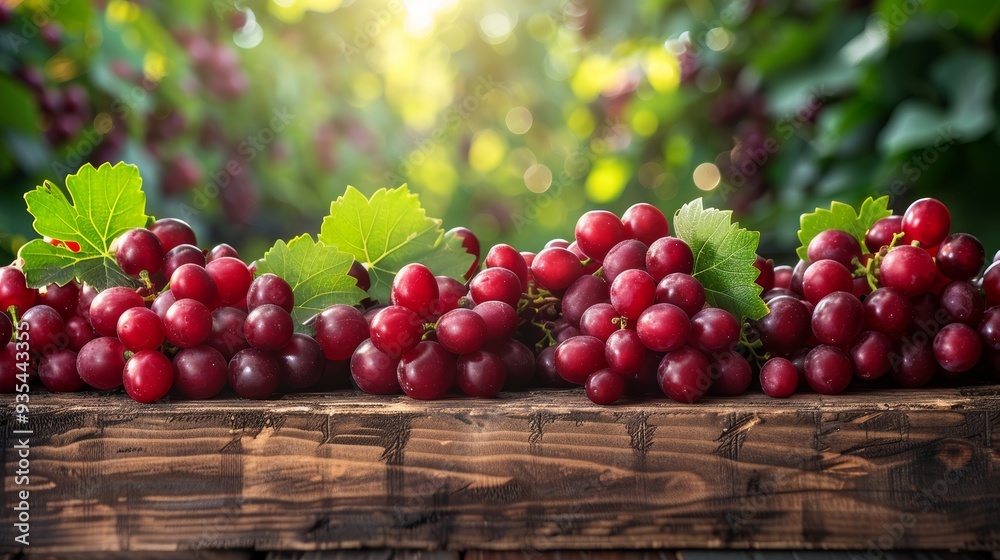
[526, 473]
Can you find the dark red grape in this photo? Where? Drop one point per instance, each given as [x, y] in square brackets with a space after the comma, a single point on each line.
[957, 347]
[663, 327]
[162, 303]
[597, 232]
[600, 321]
[730, 372]
[427, 371]
[519, 361]
[57, 371]
[910, 269]
[109, 305]
[838, 319]
[188, 323]
[375, 371]
[556, 269]
[989, 328]
[395, 330]
[480, 374]
[786, 328]
[888, 311]
[340, 329]
[200, 372]
[505, 256]
[79, 332]
[47, 330]
[870, 355]
[927, 221]
[496, 284]
[63, 299]
[604, 387]
[138, 250]
[632, 292]
[500, 319]
[450, 294]
[913, 362]
[625, 352]
[991, 283]
[414, 287]
[586, 292]
[101, 363]
[173, 232]
[765, 275]
[779, 378]
[191, 281]
[962, 302]
[6, 329]
[232, 279]
[683, 375]
[578, 357]
[270, 288]
[645, 223]
[714, 330]
[828, 369]
[630, 254]
[268, 327]
[361, 277]
[836, 245]
[461, 331]
[301, 362]
[782, 276]
[228, 336]
[881, 233]
[254, 374]
[960, 256]
[668, 255]
[140, 329]
[823, 278]
[222, 251]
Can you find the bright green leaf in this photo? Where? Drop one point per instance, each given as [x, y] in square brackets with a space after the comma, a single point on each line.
[317, 274]
[388, 232]
[103, 203]
[724, 254]
[843, 217]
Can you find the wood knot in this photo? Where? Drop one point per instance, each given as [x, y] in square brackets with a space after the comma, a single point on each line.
[955, 455]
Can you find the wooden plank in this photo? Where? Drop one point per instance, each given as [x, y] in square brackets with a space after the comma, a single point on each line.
[527, 473]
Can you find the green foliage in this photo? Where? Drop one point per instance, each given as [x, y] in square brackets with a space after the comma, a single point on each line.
[724, 254]
[104, 203]
[317, 274]
[843, 217]
[389, 231]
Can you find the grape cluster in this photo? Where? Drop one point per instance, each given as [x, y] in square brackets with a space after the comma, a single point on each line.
[907, 304]
[215, 325]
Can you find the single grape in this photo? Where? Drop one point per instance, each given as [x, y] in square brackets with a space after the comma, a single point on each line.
[471, 245]
[927, 315]
[630, 254]
[683, 375]
[450, 294]
[714, 330]
[188, 323]
[200, 372]
[58, 372]
[505, 256]
[870, 355]
[835, 245]
[496, 284]
[991, 283]
[427, 371]
[888, 311]
[500, 319]
[138, 250]
[604, 387]
[960, 256]
[268, 327]
[957, 347]
[395, 330]
[786, 328]
[578, 357]
[270, 288]
[881, 233]
[222, 251]
[461, 331]
[374, 371]
[597, 232]
[600, 321]
[228, 336]
[361, 277]
[101, 363]
[828, 369]
[825, 277]
[663, 327]
[556, 269]
[783, 276]
[181, 255]
[191, 281]
[838, 319]
[989, 328]
[632, 292]
[63, 299]
[254, 374]
[765, 275]
[645, 223]
[301, 362]
[78, 332]
[173, 232]
[927, 221]
[682, 290]
[730, 372]
[583, 294]
[148, 376]
[519, 361]
[108, 307]
[340, 329]
[779, 378]
[913, 362]
[798, 275]
[667, 256]
[46, 329]
[910, 269]
[140, 329]
[232, 279]
[557, 242]
[625, 352]
[962, 302]
[547, 369]
[162, 303]
[480, 374]
[414, 287]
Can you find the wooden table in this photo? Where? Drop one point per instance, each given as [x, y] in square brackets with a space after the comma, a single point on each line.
[528, 472]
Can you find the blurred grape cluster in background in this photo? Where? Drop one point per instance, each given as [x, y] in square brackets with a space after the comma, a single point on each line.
[247, 118]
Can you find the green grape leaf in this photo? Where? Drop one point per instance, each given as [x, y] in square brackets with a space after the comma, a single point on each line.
[389, 231]
[843, 217]
[317, 274]
[104, 203]
[724, 254]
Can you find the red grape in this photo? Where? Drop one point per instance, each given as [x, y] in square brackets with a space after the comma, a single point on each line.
[148, 376]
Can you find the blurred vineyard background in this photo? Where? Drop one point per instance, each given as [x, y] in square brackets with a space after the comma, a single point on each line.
[511, 118]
